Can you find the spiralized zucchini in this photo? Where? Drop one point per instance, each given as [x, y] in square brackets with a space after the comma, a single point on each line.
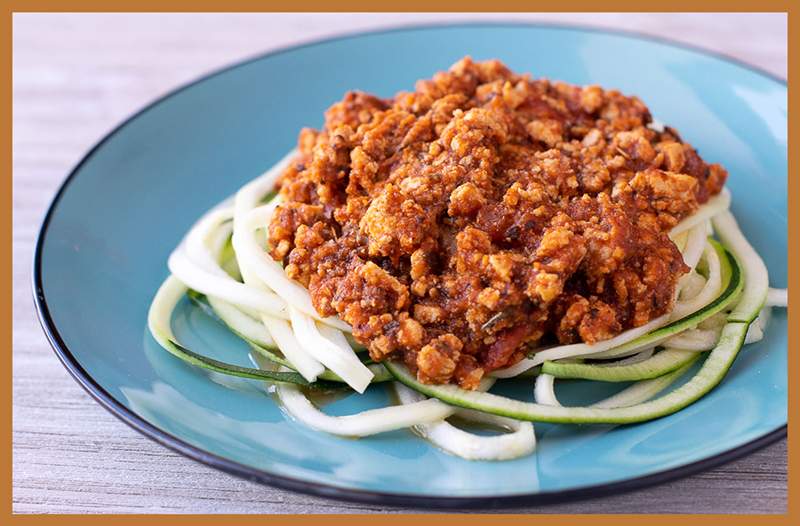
[720, 304]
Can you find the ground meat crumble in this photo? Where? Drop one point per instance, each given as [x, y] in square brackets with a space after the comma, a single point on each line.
[458, 226]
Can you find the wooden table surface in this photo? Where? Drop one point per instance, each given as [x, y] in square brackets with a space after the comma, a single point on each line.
[75, 77]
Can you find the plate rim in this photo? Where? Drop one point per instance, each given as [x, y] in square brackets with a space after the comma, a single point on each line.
[309, 487]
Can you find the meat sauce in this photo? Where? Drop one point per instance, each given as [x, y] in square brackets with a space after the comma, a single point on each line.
[459, 226]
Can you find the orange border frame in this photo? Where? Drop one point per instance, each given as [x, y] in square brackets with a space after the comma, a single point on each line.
[6, 15]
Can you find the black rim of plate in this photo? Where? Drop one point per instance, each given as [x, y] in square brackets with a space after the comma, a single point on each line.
[336, 492]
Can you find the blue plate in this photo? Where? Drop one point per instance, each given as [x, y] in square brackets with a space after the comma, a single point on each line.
[103, 248]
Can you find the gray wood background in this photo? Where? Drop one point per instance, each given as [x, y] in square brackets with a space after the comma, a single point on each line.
[75, 77]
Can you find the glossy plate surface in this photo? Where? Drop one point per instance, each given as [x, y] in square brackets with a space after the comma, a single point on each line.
[103, 250]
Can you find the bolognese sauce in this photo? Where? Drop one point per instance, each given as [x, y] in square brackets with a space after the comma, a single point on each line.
[459, 226]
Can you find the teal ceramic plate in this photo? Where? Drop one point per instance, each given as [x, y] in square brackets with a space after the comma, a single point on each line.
[103, 248]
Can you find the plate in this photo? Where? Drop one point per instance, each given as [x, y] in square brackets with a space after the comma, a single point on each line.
[103, 248]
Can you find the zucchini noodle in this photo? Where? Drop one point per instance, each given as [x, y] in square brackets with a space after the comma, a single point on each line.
[337, 357]
[634, 358]
[361, 424]
[300, 358]
[637, 393]
[708, 292]
[544, 390]
[519, 442]
[694, 340]
[241, 323]
[641, 391]
[756, 331]
[212, 284]
[756, 278]
[777, 298]
[657, 365]
[720, 304]
[692, 285]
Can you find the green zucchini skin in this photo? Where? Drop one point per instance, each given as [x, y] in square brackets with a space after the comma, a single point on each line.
[659, 364]
[711, 373]
[218, 366]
